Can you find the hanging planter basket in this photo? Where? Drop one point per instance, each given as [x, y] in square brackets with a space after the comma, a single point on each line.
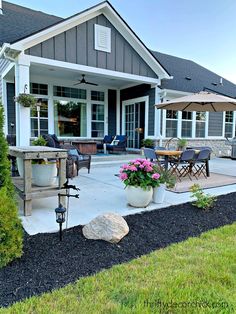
[26, 100]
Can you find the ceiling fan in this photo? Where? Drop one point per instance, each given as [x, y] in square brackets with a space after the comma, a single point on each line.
[83, 81]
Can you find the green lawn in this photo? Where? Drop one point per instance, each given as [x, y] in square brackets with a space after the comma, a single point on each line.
[200, 271]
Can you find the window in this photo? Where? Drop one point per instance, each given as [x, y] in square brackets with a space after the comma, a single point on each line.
[200, 124]
[38, 89]
[102, 39]
[171, 123]
[187, 124]
[39, 119]
[97, 120]
[70, 118]
[69, 92]
[229, 118]
[95, 95]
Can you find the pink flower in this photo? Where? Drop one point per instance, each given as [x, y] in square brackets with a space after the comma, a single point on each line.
[132, 168]
[156, 176]
[148, 169]
[123, 176]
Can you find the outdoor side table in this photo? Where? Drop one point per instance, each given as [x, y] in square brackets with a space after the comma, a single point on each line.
[24, 187]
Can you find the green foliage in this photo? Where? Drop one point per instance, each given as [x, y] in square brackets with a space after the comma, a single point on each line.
[10, 225]
[147, 142]
[5, 167]
[203, 201]
[26, 100]
[166, 177]
[182, 142]
[40, 141]
[11, 233]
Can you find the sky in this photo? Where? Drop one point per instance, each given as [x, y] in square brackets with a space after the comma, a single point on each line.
[200, 30]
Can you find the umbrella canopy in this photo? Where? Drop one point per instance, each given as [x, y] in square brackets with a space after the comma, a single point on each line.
[203, 101]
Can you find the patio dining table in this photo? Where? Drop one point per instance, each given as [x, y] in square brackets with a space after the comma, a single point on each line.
[167, 154]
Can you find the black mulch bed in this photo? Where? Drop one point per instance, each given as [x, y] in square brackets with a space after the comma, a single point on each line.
[48, 264]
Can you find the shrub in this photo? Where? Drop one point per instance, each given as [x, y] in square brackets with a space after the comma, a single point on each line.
[203, 201]
[11, 236]
[11, 233]
[5, 167]
[148, 143]
[40, 141]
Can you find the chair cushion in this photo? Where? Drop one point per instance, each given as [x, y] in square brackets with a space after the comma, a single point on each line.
[74, 152]
[115, 142]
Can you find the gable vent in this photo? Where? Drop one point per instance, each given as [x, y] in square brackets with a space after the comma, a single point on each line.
[102, 38]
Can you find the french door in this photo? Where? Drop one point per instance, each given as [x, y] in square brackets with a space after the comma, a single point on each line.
[134, 121]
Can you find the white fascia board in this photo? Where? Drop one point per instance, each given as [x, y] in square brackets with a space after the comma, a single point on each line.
[175, 92]
[135, 43]
[58, 28]
[3, 48]
[87, 69]
[8, 68]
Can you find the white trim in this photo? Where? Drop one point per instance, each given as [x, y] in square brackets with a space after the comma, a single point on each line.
[105, 112]
[87, 69]
[8, 68]
[130, 102]
[113, 17]
[4, 100]
[117, 111]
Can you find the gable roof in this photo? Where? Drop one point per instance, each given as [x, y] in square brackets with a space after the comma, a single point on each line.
[189, 76]
[105, 8]
[17, 22]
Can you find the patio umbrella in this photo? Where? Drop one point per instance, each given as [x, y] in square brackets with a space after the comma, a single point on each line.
[203, 101]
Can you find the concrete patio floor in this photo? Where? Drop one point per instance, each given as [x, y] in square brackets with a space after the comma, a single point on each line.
[101, 192]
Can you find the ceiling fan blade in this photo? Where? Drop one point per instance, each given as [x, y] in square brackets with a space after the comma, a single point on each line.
[76, 83]
[89, 83]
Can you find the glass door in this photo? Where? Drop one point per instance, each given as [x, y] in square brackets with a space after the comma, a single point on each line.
[134, 123]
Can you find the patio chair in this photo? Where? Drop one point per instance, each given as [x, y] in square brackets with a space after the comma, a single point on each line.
[151, 155]
[118, 144]
[75, 160]
[106, 140]
[183, 165]
[200, 164]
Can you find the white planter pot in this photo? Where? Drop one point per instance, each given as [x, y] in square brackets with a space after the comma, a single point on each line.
[138, 197]
[44, 174]
[159, 194]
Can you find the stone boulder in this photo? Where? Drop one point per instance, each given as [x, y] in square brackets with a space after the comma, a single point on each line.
[109, 227]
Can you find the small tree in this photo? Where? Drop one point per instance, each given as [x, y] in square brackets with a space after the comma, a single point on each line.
[11, 233]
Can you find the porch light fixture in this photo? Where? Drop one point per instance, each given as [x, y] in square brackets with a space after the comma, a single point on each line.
[60, 217]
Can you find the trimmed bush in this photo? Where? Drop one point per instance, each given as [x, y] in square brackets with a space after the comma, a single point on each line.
[5, 168]
[11, 233]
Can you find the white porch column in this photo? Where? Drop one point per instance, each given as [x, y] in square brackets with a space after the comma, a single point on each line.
[158, 131]
[22, 84]
[118, 112]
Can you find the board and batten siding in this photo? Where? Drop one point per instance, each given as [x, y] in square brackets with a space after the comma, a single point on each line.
[3, 65]
[77, 46]
[11, 109]
[215, 124]
[140, 91]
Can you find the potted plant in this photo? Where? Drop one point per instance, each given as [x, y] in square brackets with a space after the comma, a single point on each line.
[44, 171]
[26, 100]
[181, 144]
[147, 142]
[139, 177]
[166, 180]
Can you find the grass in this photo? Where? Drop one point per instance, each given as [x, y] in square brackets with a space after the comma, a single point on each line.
[197, 276]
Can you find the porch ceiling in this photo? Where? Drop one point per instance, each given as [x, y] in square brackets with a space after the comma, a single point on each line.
[73, 76]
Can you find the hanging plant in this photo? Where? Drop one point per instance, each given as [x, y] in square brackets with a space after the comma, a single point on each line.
[26, 100]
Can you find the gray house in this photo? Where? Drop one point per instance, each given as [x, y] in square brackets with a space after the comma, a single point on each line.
[94, 76]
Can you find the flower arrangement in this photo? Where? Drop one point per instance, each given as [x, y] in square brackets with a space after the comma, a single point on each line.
[139, 173]
[26, 100]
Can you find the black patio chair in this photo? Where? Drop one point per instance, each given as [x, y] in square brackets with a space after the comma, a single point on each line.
[200, 164]
[118, 144]
[151, 155]
[75, 160]
[183, 165]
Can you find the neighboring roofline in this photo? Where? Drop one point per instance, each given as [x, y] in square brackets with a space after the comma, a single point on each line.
[102, 8]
